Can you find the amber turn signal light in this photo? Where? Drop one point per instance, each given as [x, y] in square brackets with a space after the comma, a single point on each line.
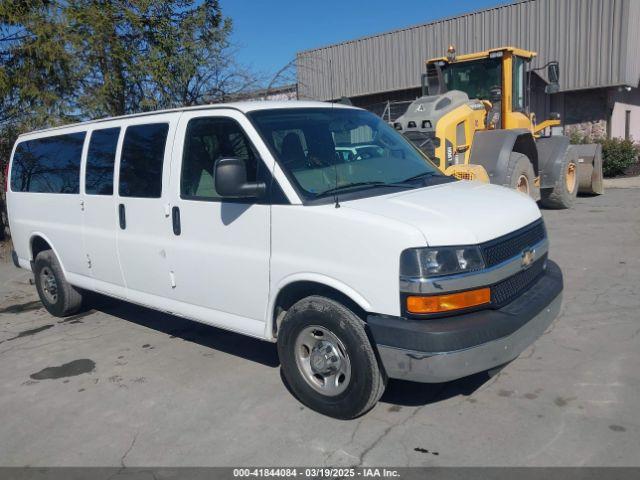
[448, 302]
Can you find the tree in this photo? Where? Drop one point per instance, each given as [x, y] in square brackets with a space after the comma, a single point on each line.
[36, 74]
[146, 55]
[85, 58]
[190, 56]
[286, 75]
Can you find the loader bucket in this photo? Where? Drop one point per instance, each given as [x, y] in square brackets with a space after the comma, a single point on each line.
[589, 168]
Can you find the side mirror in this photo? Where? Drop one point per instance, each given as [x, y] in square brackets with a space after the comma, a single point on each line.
[231, 180]
[424, 83]
[553, 74]
[433, 81]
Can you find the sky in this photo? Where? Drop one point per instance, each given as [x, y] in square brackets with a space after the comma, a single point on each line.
[269, 33]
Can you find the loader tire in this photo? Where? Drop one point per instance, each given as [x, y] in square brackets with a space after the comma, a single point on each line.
[590, 179]
[565, 188]
[520, 175]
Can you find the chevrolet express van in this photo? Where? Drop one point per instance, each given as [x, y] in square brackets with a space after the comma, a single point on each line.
[246, 217]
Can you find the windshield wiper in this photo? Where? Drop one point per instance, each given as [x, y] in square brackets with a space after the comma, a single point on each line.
[420, 175]
[348, 186]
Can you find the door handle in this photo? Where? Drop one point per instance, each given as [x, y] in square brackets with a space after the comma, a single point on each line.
[122, 216]
[175, 220]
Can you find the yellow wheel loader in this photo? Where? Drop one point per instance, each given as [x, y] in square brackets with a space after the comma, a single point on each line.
[474, 122]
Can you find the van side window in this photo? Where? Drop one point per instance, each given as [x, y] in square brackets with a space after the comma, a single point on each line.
[48, 165]
[100, 161]
[209, 139]
[142, 160]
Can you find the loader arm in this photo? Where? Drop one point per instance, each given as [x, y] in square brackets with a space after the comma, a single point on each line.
[546, 124]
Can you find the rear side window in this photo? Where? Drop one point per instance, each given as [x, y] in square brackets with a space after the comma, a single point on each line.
[209, 139]
[142, 159]
[100, 160]
[48, 165]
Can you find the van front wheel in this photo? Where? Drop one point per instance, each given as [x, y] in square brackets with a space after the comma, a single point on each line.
[327, 358]
[58, 296]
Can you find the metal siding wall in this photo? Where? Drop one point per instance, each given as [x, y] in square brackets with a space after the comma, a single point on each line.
[595, 42]
[632, 55]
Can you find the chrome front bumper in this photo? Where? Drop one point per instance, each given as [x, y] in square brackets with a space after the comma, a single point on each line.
[446, 366]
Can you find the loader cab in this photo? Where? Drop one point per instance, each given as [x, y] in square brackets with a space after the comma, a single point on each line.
[497, 77]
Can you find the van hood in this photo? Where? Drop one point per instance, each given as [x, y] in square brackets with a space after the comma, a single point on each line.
[456, 213]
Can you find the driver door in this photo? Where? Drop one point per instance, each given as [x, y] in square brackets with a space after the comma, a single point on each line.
[220, 248]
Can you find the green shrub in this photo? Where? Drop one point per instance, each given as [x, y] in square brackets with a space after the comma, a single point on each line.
[618, 155]
[577, 138]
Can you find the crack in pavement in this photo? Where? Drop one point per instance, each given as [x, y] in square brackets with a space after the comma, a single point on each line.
[386, 431]
[124, 455]
[355, 430]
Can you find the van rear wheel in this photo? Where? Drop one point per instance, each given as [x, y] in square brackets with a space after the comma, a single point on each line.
[58, 296]
[327, 358]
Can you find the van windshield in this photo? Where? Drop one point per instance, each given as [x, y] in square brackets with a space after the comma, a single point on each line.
[329, 150]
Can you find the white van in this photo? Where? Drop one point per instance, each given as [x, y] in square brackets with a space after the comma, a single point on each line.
[246, 217]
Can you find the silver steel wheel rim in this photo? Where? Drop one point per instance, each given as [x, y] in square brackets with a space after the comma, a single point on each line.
[49, 285]
[322, 360]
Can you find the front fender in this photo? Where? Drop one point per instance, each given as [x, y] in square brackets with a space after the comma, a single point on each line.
[326, 280]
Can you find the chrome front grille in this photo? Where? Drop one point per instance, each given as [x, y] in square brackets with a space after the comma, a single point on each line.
[513, 244]
[508, 289]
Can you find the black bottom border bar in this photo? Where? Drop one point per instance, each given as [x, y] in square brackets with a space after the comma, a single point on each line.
[400, 473]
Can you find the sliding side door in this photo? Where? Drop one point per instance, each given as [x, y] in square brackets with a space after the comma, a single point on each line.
[100, 213]
[143, 211]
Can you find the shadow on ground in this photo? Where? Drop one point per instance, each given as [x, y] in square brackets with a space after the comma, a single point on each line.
[412, 394]
[232, 343]
[398, 392]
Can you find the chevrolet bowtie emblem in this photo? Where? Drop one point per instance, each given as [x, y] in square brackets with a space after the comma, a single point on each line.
[527, 258]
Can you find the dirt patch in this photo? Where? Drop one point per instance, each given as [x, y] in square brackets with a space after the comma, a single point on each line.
[27, 333]
[617, 428]
[562, 402]
[71, 369]
[22, 307]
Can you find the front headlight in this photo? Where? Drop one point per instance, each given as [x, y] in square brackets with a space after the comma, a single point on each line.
[438, 261]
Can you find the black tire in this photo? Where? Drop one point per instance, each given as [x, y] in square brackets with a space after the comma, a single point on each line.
[366, 382]
[59, 297]
[520, 175]
[561, 196]
[597, 179]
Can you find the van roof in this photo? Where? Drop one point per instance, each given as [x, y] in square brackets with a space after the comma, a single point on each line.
[245, 107]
